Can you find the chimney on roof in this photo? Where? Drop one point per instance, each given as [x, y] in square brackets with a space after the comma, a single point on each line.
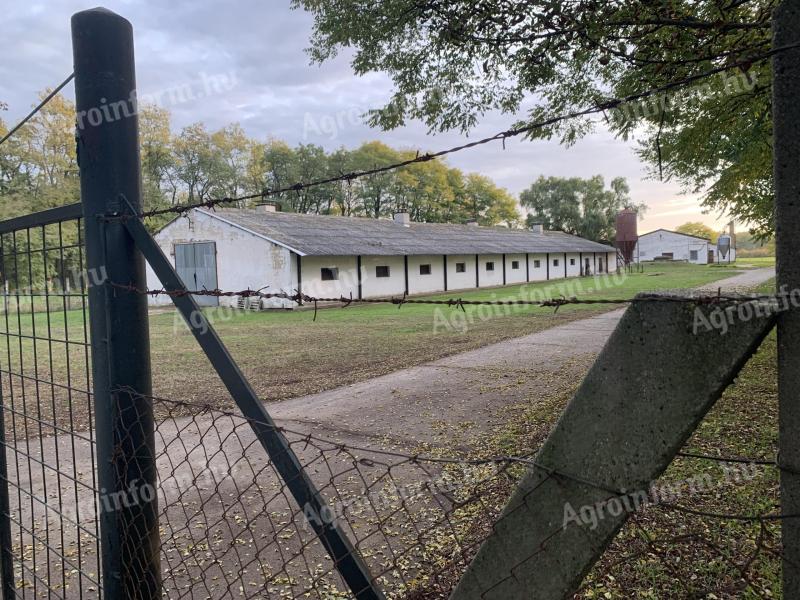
[403, 218]
[537, 227]
[472, 223]
[268, 207]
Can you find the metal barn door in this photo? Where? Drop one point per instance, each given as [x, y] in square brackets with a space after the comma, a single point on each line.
[196, 265]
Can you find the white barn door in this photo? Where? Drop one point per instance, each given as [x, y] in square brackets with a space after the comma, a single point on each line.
[196, 265]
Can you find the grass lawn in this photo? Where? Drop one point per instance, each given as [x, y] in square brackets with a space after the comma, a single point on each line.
[755, 261]
[286, 353]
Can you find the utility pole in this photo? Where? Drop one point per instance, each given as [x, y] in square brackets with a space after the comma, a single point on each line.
[786, 127]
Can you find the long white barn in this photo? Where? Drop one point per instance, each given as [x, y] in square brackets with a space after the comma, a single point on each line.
[326, 256]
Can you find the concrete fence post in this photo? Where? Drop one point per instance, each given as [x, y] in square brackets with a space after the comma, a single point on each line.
[786, 127]
[108, 155]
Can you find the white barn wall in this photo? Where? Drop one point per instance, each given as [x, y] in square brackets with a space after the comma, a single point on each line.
[490, 278]
[313, 285]
[243, 259]
[612, 262]
[599, 263]
[557, 265]
[461, 281]
[582, 258]
[573, 270]
[656, 243]
[420, 284]
[374, 287]
[538, 273]
[515, 275]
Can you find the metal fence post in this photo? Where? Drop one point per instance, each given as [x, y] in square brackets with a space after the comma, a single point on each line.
[786, 127]
[108, 155]
[6, 547]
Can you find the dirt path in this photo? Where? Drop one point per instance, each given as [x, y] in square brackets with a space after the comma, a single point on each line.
[226, 517]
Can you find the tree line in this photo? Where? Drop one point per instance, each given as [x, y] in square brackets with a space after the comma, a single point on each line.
[38, 169]
[582, 207]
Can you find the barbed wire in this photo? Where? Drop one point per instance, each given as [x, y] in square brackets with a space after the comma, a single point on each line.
[38, 107]
[459, 303]
[502, 136]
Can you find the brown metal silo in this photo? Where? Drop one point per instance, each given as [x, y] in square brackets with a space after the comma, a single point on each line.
[627, 234]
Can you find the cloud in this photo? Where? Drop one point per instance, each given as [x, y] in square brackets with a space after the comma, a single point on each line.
[261, 45]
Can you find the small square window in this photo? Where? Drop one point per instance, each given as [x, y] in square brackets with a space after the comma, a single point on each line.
[382, 271]
[693, 255]
[537, 264]
[572, 262]
[329, 273]
[490, 266]
[515, 264]
[555, 262]
[424, 269]
[461, 267]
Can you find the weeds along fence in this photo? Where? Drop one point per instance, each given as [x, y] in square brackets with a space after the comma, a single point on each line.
[108, 490]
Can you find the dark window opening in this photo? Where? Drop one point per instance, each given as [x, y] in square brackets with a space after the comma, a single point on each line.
[555, 262]
[490, 266]
[424, 269]
[329, 273]
[572, 262]
[515, 264]
[537, 264]
[461, 267]
[382, 271]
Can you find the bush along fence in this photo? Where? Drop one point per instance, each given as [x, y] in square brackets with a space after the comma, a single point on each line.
[107, 490]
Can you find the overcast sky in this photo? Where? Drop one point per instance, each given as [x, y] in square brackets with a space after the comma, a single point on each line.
[244, 61]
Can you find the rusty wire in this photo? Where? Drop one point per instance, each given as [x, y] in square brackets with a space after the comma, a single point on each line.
[37, 108]
[299, 297]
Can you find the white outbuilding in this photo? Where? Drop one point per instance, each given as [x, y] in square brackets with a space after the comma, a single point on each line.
[332, 257]
[663, 244]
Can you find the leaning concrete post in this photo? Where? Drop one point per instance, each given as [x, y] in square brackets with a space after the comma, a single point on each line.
[786, 127]
[636, 408]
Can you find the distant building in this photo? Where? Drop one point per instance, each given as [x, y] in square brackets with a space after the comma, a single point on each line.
[663, 244]
[327, 256]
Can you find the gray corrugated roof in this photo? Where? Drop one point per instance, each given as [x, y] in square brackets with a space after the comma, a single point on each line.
[318, 235]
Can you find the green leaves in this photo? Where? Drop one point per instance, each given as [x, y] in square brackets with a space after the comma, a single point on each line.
[578, 206]
[479, 56]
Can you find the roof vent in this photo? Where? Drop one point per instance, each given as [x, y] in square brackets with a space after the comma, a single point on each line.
[472, 223]
[537, 227]
[403, 218]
